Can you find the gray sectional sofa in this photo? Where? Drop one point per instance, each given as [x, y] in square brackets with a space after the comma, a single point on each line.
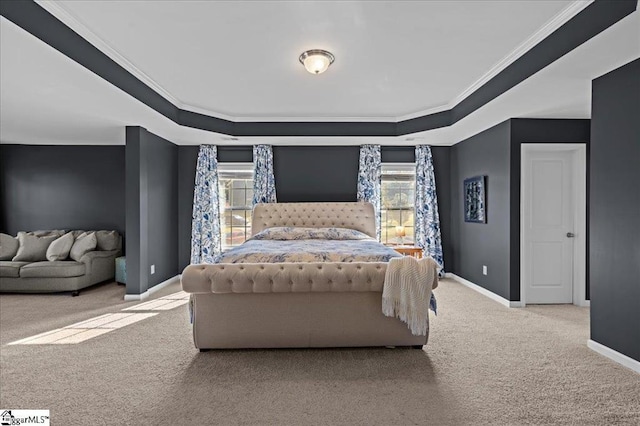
[57, 261]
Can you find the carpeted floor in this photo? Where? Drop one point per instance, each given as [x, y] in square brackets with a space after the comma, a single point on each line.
[484, 364]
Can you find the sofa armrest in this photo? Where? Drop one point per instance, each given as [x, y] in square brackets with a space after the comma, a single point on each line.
[90, 258]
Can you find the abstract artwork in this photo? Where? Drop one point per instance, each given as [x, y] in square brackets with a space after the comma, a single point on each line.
[474, 200]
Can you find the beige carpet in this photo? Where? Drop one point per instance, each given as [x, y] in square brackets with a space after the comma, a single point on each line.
[484, 364]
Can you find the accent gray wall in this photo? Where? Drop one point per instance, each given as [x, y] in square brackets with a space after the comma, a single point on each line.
[496, 153]
[309, 173]
[152, 209]
[162, 173]
[316, 173]
[477, 244]
[614, 219]
[61, 187]
[187, 159]
[442, 171]
[539, 131]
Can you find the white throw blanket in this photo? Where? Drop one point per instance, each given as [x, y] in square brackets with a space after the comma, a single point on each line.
[407, 290]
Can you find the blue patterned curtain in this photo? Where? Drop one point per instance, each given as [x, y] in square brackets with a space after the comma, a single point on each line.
[264, 184]
[370, 179]
[427, 221]
[205, 224]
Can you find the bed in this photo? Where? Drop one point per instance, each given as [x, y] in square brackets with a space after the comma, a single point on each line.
[252, 302]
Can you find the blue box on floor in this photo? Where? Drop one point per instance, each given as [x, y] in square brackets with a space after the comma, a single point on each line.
[121, 270]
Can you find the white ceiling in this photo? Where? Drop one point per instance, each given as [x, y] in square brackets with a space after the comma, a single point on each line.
[195, 57]
[240, 59]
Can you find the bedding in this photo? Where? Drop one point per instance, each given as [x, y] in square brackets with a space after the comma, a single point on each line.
[291, 244]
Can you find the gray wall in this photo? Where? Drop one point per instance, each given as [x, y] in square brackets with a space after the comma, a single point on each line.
[316, 173]
[61, 187]
[152, 209]
[187, 159]
[614, 219]
[477, 244]
[496, 153]
[303, 173]
[548, 131]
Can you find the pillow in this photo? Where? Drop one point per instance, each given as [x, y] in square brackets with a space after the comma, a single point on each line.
[300, 233]
[108, 240]
[32, 248]
[83, 244]
[76, 234]
[8, 246]
[56, 232]
[59, 248]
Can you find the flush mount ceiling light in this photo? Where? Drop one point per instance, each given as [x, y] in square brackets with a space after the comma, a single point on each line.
[316, 61]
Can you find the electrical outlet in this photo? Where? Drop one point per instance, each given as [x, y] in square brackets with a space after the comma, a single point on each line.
[484, 269]
[153, 269]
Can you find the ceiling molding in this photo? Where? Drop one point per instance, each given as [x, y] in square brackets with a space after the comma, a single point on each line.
[74, 23]
[71, 21]
[545, 31]
[67, 18]
[579, 26]
[316, 119]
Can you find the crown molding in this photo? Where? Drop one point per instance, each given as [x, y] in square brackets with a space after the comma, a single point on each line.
[423, 112]
[81, 29]
[552, 25]
[315, 119]
[66, 17]
[283, 118]
[71, 21]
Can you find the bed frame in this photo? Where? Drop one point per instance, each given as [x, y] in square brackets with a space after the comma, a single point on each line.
[295, 305]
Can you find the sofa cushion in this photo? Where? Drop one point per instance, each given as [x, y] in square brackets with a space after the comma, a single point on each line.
[8, 246]
[84, 243]
[43, 233]
[55, 269]
[32, 248]
[60, 248]
[108, 240]
[77, 233]
[9, 269]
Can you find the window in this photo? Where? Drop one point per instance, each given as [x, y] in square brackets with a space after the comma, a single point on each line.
[398, 198]
[236, 196]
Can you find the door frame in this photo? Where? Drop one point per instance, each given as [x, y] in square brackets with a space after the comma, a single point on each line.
[579, 152]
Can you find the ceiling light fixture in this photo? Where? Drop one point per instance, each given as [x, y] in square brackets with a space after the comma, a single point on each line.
[316, 61]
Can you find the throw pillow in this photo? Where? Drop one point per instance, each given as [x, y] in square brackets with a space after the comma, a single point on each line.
[60, 248]
[107, 240]
[56, 232]
[76, 234]
[83, 244]
[32, 248]
[8, 246]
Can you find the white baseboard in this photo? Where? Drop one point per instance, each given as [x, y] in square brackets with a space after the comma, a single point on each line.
[491, 295]
[614, 355]
[146, 294]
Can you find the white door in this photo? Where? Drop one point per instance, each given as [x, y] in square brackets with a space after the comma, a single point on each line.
[548, 219]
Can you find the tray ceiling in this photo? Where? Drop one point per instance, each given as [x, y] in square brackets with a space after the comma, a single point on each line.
[239, 60]
[48, 98]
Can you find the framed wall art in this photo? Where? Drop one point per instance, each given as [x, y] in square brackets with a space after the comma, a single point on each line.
[475, 199]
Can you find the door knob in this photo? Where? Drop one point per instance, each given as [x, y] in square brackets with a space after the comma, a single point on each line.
[570, 235]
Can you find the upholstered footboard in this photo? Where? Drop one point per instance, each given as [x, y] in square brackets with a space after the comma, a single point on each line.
[292, 305]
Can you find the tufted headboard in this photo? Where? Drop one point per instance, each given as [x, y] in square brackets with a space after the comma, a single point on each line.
[359, 216]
